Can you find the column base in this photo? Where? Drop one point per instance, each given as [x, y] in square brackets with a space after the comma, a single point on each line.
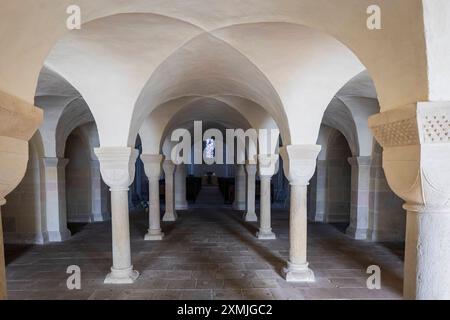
[240, 206]
[357, 234]
[126, 276]
[182, 206]
[298, 273]
[59, 236]
[170, 217]
[154, 235]
[266, 235]
[250, 217]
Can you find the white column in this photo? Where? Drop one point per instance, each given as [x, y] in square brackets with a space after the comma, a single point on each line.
[416, 143]
[2, 258]
[250, 215]
[169, 169]
[117, 165]
[98, 197]
[180, 188]
[55, 198]
[239, 188]
[359, 210]
[152, 167]
[267, 168]
[299, 166]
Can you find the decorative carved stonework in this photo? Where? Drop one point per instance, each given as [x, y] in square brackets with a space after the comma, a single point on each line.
[117, 165]
[267, 164]
[299, 162]
[152, 164]
[416, 151]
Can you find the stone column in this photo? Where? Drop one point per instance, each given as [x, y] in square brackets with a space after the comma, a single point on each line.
[152, 167]
[2, 258]
[117, 165]
[239, 188]
[250, 215]
[169, 168]
[55, 198]
[299, 165]
[359, 209]
[319, 192]
[99, 206]
[416, 143]
[267, 167]
[180, 188]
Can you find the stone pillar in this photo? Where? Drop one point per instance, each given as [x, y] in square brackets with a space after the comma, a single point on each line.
[267, 167]
[169, 169]
[152, 167]
[99, 205]
[55, 198]
[359, 208]
[239, 188]
[117, 165]
[250, 215]
[299, 165]
[319, 192]
[2, 258]
[416, 143]
[180, 188]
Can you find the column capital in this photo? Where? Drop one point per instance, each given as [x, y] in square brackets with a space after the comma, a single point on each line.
[168, 167]
[2, 202]
[299, 162]
[416, 149]
[360, 161]
[251, 169]
[54, 162]
[267, 164]
[152, 164]
[117, 166]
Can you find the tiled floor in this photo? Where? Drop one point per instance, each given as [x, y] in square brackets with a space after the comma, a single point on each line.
[207, 254]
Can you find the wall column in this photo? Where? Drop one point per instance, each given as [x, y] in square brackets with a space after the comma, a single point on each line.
[239, 188]
[180, 188]
[152, 167]
[359, 208]
[267, 168]
[169, 169]
[299, 166]
[117, 165]
[2, 257]
[250, 215]
[416, 143]
[55, 198]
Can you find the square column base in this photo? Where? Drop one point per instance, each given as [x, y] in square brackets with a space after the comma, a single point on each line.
[127, 276]
[182, 206]
[154, 237]
[169, 217]
[59, 236]
[250, 217]
[357, 234]
[266, 235]
[298, 273]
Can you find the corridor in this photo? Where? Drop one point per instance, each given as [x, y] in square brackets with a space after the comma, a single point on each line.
[206, 254]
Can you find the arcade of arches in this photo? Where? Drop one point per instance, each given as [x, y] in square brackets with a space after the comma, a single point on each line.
[359, 176]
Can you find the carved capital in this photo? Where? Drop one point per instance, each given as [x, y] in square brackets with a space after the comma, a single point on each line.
[152, 164]
[117, 166]
[416, 156]
[251, 169]
[267, 164]
[299, 162]
[169, 167]
[13, 163]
